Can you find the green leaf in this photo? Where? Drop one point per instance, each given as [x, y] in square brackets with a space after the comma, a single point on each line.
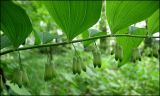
[14, 23]
[128, 43]
[153, 23]
[43, 37]
[91, 33]
[74, 17]
[94, 32]
[5, 42]
[121, 14]
[37, 40]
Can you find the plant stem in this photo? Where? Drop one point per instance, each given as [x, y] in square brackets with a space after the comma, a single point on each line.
[75, 41]
[20, 61]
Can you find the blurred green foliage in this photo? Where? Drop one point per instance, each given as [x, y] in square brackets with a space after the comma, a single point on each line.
[140, 78]
[131, 79]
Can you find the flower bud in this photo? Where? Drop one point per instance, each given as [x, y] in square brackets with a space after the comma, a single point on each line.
[48, 75]
[83, 64]
[74, 65]
[112, 51]
[155, 49]
[136, 55]
[155, 53]
[78, 65]
[96, 58]
[99, 59]
[148, 52]
[118, 53]
[148, 42]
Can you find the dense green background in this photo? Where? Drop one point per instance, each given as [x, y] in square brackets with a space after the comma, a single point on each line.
[132, 78]
[140, 78]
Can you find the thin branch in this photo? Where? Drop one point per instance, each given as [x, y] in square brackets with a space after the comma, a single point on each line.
[75, 41]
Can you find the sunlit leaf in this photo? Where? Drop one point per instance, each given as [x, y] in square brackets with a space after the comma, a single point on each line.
[153, 23]
[128, 43]
[74, 17]
[14, 23]
[45, 37]
[121, 14]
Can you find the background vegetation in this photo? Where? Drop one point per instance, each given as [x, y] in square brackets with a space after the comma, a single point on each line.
[139, 78]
